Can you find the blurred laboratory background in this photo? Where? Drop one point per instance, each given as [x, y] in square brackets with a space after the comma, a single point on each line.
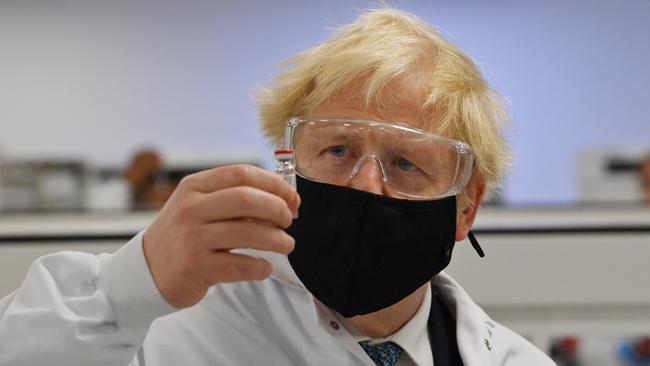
[106, 105]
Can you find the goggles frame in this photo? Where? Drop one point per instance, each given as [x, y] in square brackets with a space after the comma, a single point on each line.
[461, 176]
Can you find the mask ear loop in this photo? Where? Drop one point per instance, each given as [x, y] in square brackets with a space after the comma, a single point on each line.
[472, 239]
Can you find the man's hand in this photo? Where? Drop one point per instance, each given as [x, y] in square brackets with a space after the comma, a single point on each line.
[212, 212]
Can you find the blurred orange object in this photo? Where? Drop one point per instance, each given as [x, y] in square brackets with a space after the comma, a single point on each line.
[147, 180]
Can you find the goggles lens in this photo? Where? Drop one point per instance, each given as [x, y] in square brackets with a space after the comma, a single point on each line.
[414, 163]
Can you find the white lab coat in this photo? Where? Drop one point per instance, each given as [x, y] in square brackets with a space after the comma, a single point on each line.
[81, 309]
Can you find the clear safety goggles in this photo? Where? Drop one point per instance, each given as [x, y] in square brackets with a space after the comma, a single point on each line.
[414, 164]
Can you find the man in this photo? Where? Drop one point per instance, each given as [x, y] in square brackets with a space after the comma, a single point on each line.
[396, 138]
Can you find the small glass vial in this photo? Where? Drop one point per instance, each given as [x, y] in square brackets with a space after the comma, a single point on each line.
[285, 168]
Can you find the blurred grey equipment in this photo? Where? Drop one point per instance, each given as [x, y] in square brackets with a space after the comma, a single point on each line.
[47, 184]
[40, 185]
[106, 190]
[610, 175]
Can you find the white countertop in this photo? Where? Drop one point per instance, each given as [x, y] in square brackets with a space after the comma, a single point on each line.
[490, 219]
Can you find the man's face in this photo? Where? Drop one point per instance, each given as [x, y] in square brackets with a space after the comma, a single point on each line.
[400, 101]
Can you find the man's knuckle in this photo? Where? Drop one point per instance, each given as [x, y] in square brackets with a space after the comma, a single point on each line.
[185, 209]
[187, 181]
[240, 173]
[285, 239]
[245, 198]
[283, 215]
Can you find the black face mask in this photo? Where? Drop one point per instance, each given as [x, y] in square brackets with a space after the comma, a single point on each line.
[359, 252]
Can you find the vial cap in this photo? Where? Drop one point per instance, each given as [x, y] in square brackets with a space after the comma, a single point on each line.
[283, 154]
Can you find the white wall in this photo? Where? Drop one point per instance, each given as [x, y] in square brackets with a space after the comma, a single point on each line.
[100, 78]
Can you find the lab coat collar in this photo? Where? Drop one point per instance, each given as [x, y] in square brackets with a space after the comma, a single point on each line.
[474, 328]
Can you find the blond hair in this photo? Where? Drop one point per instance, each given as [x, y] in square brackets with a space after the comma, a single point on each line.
[378, 47]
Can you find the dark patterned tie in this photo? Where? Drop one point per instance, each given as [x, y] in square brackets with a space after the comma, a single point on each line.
[384, 354]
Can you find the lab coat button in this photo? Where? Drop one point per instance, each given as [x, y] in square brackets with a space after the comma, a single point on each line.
[334, 325]
[487, 344]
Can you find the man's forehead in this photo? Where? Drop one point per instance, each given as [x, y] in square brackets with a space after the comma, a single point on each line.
[400, 100]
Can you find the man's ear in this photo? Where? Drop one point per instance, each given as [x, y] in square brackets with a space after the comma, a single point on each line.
[474, 192]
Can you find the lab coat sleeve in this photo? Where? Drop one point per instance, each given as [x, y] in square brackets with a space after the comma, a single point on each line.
[80, 309]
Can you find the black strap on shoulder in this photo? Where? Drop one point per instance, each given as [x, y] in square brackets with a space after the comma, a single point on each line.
[141, 356]
[442, 333]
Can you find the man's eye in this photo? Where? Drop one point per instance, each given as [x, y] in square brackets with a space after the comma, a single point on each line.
[406, 165]
[337, 151]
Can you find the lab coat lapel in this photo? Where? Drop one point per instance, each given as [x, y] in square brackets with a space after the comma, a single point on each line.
[473, 327]
[442, 333]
